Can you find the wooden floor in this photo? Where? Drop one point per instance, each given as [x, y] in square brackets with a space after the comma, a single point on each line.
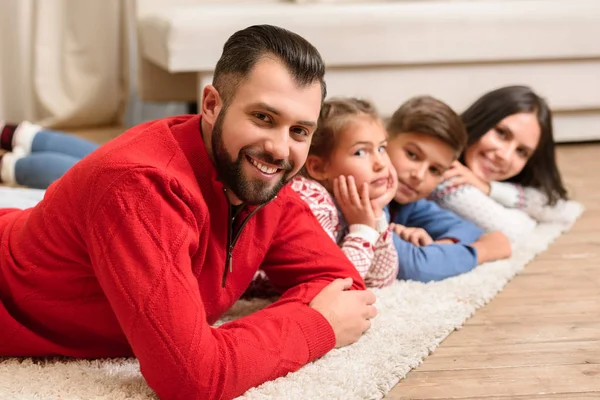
[540, 337]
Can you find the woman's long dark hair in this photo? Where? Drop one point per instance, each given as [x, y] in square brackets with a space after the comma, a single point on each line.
[540, 171]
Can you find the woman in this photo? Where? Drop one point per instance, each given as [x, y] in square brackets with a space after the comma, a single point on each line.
[507, 179]
[36, 157]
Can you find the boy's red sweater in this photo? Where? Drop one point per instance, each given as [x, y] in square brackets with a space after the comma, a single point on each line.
[126, 254]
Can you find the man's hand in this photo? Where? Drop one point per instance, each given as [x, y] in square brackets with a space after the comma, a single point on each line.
[355, 208]
[461, 175]
[349, 312]
[416, 236]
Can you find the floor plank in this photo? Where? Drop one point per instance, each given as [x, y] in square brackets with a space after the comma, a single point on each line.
[510, 381]
[514, 355]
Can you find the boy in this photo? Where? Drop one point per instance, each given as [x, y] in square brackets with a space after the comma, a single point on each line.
[425, 138]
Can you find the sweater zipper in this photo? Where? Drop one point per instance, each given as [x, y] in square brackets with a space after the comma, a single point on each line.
[231, 244]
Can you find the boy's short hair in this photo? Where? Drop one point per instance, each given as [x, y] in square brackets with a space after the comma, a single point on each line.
[429, 116]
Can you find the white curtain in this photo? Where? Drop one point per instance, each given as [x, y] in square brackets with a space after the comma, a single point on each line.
[62, 62]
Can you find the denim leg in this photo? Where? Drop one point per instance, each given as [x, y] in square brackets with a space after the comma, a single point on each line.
[58, 142]
[39, 170]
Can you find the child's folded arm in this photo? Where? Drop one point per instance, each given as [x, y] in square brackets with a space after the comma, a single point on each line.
[359, 246]
[434, 262]
[492, 246]
[384, 268]
[440, 223]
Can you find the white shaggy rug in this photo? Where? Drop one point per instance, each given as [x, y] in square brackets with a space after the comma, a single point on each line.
[413, 319]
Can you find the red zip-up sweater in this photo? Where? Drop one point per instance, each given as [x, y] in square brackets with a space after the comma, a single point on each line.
[126, 255]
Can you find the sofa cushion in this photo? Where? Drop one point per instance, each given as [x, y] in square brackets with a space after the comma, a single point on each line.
[190, 38]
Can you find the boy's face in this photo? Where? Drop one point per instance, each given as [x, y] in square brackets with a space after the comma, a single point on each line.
[420, 161]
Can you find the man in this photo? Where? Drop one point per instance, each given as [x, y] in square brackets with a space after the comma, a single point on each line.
[150, 239]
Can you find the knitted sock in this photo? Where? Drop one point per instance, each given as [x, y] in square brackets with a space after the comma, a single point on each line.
[7, 167]
[7, 131]
[23, 137]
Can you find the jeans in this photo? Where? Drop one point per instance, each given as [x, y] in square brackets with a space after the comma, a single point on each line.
[52, 154]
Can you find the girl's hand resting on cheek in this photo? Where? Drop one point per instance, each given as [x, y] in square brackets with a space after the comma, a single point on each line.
[463, 175]
[416, 236]
[379, 203]
[356, 208]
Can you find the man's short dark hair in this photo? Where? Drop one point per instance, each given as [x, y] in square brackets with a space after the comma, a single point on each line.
[248, 46]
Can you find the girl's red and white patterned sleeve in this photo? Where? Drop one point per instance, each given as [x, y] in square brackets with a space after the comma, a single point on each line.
[384, 268]
[358, 244]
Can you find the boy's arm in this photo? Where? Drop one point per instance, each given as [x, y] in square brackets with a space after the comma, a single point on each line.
[141, 237]
[492, 246]
[440, 261]
[433, 262]
[442, 224]
[473, 205]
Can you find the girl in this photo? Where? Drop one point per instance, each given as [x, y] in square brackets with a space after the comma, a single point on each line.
[507, 178]
[35, 156]
[347, 181]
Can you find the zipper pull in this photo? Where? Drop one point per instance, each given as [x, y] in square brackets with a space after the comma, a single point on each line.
[228, 267]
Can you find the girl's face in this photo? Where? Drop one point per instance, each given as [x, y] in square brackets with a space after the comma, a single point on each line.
[361, 153]
[503, 151]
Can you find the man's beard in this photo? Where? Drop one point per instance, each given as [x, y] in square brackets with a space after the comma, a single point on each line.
[231, 173]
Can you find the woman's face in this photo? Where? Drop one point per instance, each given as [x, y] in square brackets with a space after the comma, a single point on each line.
[504, 150]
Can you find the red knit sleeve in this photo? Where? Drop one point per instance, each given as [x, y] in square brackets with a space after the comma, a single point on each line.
[303, 258]
[142, 235]
[4, 211]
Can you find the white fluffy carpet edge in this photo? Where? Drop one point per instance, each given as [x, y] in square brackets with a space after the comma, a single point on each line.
[413, 320]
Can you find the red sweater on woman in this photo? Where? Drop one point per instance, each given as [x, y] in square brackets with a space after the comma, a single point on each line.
[126, 255]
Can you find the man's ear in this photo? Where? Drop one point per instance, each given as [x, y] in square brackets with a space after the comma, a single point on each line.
[212, 104]
[316, 168]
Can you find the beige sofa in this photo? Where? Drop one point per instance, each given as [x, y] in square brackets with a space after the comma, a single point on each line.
[387, 51]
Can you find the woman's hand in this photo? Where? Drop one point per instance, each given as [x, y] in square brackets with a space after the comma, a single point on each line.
[463, 175]
[356, 208]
